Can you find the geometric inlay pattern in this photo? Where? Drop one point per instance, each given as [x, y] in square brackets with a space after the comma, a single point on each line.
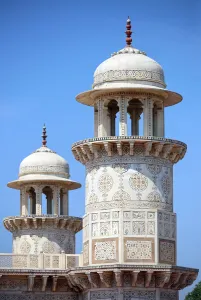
[137, 249]
[104, 250]
[105, 183]
[138, 182]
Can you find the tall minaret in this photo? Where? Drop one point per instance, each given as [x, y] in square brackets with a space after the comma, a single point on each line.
[129, 234]
[44, 225]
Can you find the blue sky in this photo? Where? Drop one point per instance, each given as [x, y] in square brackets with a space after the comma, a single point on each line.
[49, 51]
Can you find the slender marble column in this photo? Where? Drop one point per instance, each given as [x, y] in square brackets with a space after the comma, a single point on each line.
[135, 117]
[32, 197]
[100, 105]
[155, 117]
[38, 202]
[160, 121]
[24, 202]
[64, 203]
[56, 192]
[106, 121]
[21, 202]
[123, 103]
[95, 122]
[148, 117]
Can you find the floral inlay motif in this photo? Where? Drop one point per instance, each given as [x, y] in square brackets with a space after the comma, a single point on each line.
[25, 247]
[105, 183]
[93, 198]
[154, 169]
[154, 196]
[105, 228]
[120, 168]
[121, 195]
[138, 182]
[139, 228]
[166, 184]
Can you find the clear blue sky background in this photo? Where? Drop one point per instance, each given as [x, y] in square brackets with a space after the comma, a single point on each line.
[49, 51]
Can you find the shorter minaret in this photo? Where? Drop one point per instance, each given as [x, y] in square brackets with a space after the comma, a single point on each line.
[44, 225]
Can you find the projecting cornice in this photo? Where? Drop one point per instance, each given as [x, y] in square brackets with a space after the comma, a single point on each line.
[40, 222]
[90, 149]
[80, 279]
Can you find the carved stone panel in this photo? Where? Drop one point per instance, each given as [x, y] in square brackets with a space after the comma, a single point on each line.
[139, 249]
[167, 251]
[50, 240]
[130, 183]
[105, 251]
[86, 253]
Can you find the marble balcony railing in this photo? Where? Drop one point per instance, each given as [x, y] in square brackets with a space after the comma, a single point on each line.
[41, 261]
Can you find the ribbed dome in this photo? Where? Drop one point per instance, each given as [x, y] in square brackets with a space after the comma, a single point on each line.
[127, 68]
[44, 161]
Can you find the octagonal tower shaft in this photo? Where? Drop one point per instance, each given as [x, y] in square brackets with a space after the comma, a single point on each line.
[129, 185]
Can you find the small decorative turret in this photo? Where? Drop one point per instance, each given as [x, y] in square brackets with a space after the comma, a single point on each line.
[44, 224]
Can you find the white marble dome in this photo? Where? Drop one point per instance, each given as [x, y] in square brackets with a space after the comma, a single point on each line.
[46, 162]
[44, 165]
[127, 68]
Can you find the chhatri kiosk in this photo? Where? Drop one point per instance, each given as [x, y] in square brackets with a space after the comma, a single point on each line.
[129, 227]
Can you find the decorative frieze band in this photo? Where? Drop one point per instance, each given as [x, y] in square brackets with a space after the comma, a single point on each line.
[138, 75]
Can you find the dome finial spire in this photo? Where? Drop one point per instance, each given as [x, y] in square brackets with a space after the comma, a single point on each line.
[44, 136]
[128, 32]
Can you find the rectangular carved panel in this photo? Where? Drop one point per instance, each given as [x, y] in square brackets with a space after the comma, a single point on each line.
[139, 249]
[167, 251]
[86, 253]
[105, 251]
